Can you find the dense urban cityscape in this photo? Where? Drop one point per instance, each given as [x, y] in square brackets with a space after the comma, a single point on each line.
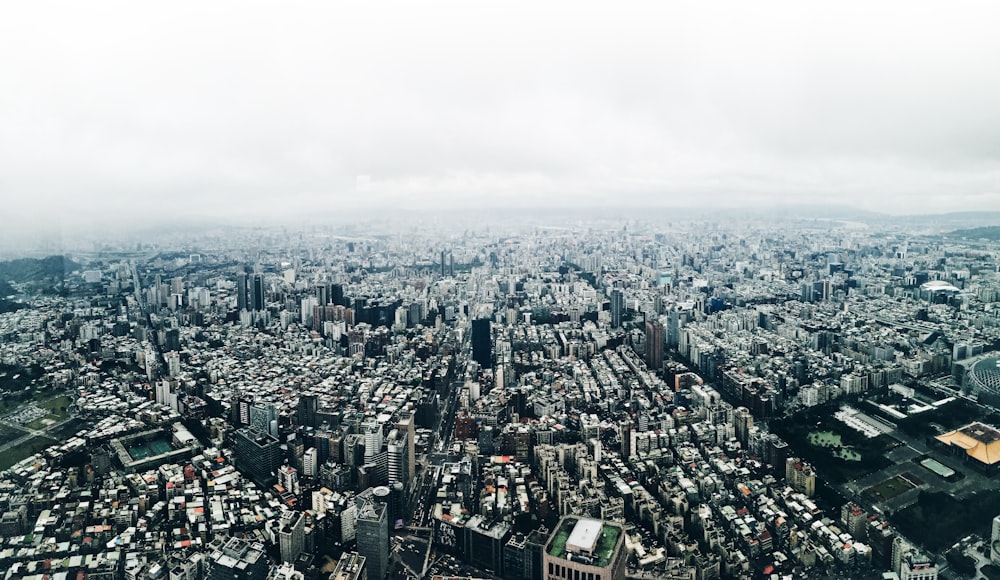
[447, 290]
[585, 398]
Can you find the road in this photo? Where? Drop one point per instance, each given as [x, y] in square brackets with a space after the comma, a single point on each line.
[421, 497]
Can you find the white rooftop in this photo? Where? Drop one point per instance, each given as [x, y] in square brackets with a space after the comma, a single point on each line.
[584, 536]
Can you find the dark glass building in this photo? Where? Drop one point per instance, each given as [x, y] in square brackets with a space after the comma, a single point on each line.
[482, 343]
[258, 455]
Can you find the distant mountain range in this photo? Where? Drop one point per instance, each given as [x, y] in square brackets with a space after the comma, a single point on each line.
[988, 232]
[35, 270]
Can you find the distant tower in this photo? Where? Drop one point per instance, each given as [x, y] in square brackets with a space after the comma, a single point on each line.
[617, 307]
[258, 292]
[655, 337]
[444, 265]
[241, 291]
[674, 328]
[482, 343]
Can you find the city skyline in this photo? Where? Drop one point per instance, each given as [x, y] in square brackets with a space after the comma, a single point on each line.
[505, 400]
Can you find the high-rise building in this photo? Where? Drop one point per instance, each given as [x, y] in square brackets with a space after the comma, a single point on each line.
[584, 548]
[855, 519]
[742, 423]
[288, 478]
[240, 411]
[172, 340]
[625, 434]
[307, 408]
[397, 455]
[291, 535]
[777, 454]
[241, 291]
[258, 292]
[372, 432]
[406, 425]
[306, 310]
[373, 535]
[238, 559]
[264, 416]
[523, 555]
[484, 542]
[617, 307]
[655, 338]
[310, 462]
[482, 343]
[258, 455]
[800, 476]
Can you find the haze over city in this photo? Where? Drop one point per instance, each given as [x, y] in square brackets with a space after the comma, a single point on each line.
[119, 112]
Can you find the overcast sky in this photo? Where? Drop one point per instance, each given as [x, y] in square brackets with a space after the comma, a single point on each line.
[142, 109]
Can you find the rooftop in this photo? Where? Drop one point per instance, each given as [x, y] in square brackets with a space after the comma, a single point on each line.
[584, 536]
[602, 536]
[981, 442]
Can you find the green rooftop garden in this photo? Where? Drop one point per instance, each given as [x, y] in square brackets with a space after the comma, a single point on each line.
[605, 544]
[558, 547]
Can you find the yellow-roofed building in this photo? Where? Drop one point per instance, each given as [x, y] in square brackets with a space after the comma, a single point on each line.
[980, 442]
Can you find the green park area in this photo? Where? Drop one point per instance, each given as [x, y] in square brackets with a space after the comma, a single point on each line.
[832, 441]
[838, 452]
[57, 412]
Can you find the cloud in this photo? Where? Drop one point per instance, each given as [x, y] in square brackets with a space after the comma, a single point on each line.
[123, 111]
